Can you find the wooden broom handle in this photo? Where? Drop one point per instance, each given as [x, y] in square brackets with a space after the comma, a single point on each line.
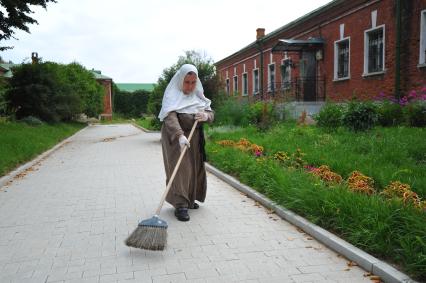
[169, 184]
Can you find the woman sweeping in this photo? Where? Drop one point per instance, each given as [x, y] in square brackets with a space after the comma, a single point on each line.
[184, 103]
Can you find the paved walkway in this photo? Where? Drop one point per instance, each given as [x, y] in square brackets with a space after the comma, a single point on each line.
[66, 218]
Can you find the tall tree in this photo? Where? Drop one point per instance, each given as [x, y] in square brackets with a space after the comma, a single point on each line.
[14, 14]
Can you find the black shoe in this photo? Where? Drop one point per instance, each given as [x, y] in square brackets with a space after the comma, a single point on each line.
[194, 206]
[182, 214]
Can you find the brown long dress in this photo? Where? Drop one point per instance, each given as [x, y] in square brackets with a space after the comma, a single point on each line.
[190, 182]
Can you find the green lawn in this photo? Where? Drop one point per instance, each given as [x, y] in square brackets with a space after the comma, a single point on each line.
[20, 142]
[387, 229]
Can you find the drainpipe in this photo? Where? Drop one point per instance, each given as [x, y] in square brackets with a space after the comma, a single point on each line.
[261, 71]
[260, 33]
[398, 51]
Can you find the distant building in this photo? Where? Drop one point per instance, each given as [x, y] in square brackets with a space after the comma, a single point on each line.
[343, 49]
[132, 87]
[106, 82]
[6, 70]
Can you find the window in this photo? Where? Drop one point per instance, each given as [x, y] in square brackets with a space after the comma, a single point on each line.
[374, 51]
[245, 84]
[341, 59]
[227, 86]
[422, 57]
[255, 81]
[286, 74]
[271, 77]
[235, 84]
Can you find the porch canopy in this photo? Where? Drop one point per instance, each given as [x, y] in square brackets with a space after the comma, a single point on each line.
[298, 45]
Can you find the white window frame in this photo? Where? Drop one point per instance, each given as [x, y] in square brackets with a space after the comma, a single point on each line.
[422, 45]
[336, 59]
[244, 84]
[269, 75]
[235, 86]
[366, 55]
[285, 66]
[256, 91]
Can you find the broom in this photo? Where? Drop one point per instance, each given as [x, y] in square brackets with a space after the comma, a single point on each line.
[151, 234]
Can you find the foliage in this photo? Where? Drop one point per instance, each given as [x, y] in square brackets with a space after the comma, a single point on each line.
[54, 92]
[360, 116]
[403, 192]
[131, 104]
[410, 109]
[330, 116]
[232, 111]
[32, 121]
[83, 84]
[3, 101]
[325, 174]
[206, 73]
[416, 114]
[358, 182]
[390, 114]
[386, 228]
[15, 15]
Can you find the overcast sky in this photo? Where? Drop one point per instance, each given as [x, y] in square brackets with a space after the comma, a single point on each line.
[133, 41]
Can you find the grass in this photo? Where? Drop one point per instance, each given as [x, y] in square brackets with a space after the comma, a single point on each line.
[20, 142]
[120, 119]
[146, 123]
[386, 229]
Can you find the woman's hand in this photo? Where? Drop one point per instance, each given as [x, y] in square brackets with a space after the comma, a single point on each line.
[201, 116]
[183, 141]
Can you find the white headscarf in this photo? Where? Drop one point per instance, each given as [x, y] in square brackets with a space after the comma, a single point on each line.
[175, 100]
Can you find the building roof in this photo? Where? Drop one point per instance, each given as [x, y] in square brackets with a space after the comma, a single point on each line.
[131, 87]
[286, 27]
[6, 69]
[98, 75]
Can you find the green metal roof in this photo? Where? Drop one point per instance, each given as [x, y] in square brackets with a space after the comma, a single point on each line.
[131, 87]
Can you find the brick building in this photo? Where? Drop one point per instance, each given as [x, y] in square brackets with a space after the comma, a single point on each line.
[343, 49]
[106, 82]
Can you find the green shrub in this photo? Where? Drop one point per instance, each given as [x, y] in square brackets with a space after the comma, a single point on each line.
[330, 116]
[54, 92]
[261, 114]
[3, 101]
[416, 113]
[131, 104]
[360, 116]
[390, 114]
[233, 112]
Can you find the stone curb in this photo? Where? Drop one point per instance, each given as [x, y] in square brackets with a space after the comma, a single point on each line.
[377, 267]
[11, 175]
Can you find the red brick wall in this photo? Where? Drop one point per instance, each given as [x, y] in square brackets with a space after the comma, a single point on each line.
[356, 17]
[107, 97]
